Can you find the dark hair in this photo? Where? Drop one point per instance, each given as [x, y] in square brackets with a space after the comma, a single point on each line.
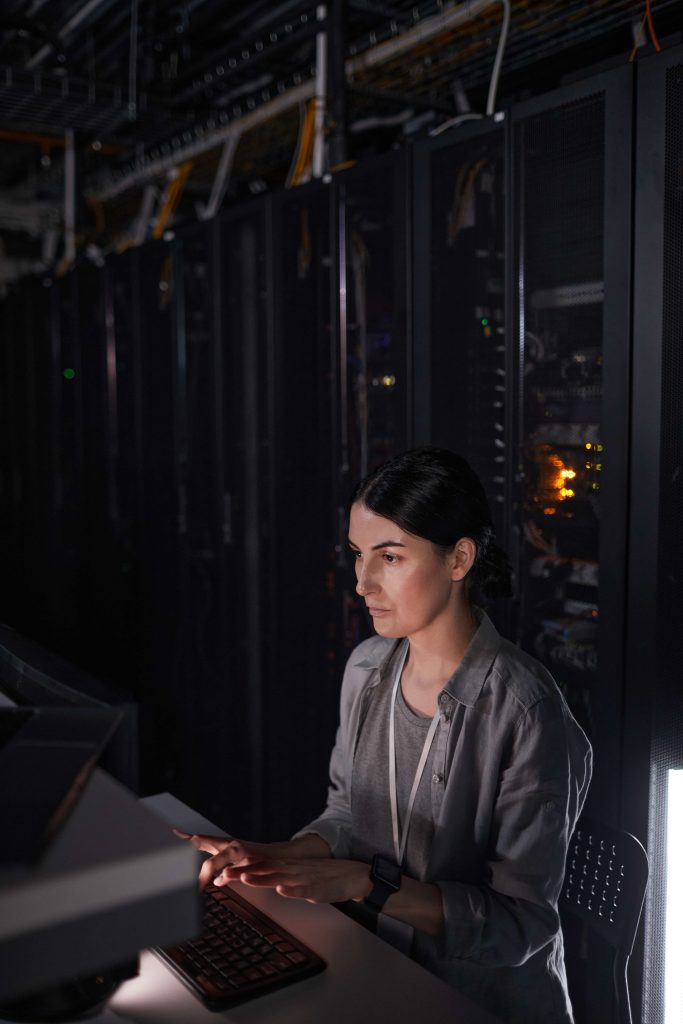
[435, 494]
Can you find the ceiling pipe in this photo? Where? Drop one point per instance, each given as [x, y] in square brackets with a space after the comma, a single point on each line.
[448, 19]
[85, 11]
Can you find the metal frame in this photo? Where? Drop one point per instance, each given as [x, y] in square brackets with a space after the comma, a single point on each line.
[643, 793]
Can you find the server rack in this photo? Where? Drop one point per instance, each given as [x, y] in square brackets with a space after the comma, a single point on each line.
[161, 524]
[654, 705]
[461, 388]
[531, 383]
[63, 433]
[15, 451]
[104, 642]
[303, 669]
[569, 224]
[243, 288]
[569, 301]
[372, 231]
[124, 402]
[202, 610]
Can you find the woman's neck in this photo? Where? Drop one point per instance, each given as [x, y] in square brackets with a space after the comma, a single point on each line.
[432, 660]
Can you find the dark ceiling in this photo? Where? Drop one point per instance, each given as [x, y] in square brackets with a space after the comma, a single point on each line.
[146, 84]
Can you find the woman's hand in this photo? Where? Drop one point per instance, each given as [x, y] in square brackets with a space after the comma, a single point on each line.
[315, 880]
[229, 853]
[418, 904]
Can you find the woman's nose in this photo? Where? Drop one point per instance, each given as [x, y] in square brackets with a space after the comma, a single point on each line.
[364, 583]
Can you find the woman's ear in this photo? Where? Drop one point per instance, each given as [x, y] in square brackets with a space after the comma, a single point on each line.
[462, 558]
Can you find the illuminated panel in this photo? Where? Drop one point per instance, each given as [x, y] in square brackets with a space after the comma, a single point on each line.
[673, 947]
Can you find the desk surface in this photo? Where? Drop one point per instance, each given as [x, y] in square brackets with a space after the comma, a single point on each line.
[366, 981]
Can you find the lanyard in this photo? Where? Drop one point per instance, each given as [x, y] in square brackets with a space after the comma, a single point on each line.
[400, 841]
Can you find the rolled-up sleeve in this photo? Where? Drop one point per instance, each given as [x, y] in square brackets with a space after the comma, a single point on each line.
[511, 912]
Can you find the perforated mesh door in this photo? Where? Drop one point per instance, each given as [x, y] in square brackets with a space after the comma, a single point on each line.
[560, 196]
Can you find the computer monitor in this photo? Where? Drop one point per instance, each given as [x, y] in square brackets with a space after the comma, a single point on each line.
[32, 676]
[91, 876]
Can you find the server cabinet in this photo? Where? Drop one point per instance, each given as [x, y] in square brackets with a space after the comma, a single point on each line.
[372, 231]
[522, 363]
[124, 401]
[461, 386]
[569, 287]
[159, 538]
[62, 430]
[213, 662]
[17, 439]
[303, 669]
[570, 194]
[103, 636]
[654, 704]
[243, 291]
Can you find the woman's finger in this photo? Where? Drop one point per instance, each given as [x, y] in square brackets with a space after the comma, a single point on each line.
[207, 844]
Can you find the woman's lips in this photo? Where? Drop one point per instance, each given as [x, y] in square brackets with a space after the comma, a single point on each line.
[377, 611]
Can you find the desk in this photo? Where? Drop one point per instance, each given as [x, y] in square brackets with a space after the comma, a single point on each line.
[366, 980]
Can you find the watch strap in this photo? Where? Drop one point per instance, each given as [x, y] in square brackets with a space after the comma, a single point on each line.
[383, 887]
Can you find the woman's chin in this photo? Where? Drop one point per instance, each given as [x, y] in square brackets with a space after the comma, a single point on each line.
[385, 629]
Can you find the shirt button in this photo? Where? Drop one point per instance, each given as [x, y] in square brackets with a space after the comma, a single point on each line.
[437, 777]
[445, 716]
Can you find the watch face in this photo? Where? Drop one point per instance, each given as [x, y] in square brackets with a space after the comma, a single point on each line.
[386, 871]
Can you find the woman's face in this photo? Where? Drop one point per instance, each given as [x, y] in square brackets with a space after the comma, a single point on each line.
[408, 586]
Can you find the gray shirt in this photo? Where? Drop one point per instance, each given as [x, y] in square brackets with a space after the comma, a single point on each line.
[516, 767]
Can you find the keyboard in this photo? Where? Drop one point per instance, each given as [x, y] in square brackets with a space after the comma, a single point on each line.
[240, 954]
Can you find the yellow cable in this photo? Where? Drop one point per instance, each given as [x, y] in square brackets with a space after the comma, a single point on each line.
[172, 195]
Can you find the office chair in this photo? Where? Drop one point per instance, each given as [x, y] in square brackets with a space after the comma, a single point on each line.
[605, 880]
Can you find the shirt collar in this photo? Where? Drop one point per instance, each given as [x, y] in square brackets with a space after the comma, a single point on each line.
[465, 685]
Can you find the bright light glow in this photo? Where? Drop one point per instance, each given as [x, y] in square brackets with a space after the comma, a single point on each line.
[673, 946]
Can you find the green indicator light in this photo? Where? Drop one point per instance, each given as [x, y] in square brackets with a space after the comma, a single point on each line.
[484, 322]
[69, 373]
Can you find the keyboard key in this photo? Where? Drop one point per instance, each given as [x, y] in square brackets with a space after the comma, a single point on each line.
[279, 962]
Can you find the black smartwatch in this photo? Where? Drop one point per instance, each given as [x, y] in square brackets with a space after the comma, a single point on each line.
[386, 878]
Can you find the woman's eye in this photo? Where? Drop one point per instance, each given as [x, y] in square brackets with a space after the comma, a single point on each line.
[356, 554]
[388, 557]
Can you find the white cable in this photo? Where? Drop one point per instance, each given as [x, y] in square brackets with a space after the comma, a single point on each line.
[133, 62]
[454, 121]
[498, 63]
[378, 122]
[318, 155]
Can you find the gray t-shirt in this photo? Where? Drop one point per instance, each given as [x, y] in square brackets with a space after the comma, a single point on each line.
[371, 829]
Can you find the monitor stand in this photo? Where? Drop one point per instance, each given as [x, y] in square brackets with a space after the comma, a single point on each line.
[72, 1000]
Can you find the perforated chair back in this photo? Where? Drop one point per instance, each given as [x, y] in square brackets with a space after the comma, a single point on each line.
[604, 885]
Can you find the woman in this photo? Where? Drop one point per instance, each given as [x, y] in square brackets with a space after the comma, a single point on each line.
[458, 771]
